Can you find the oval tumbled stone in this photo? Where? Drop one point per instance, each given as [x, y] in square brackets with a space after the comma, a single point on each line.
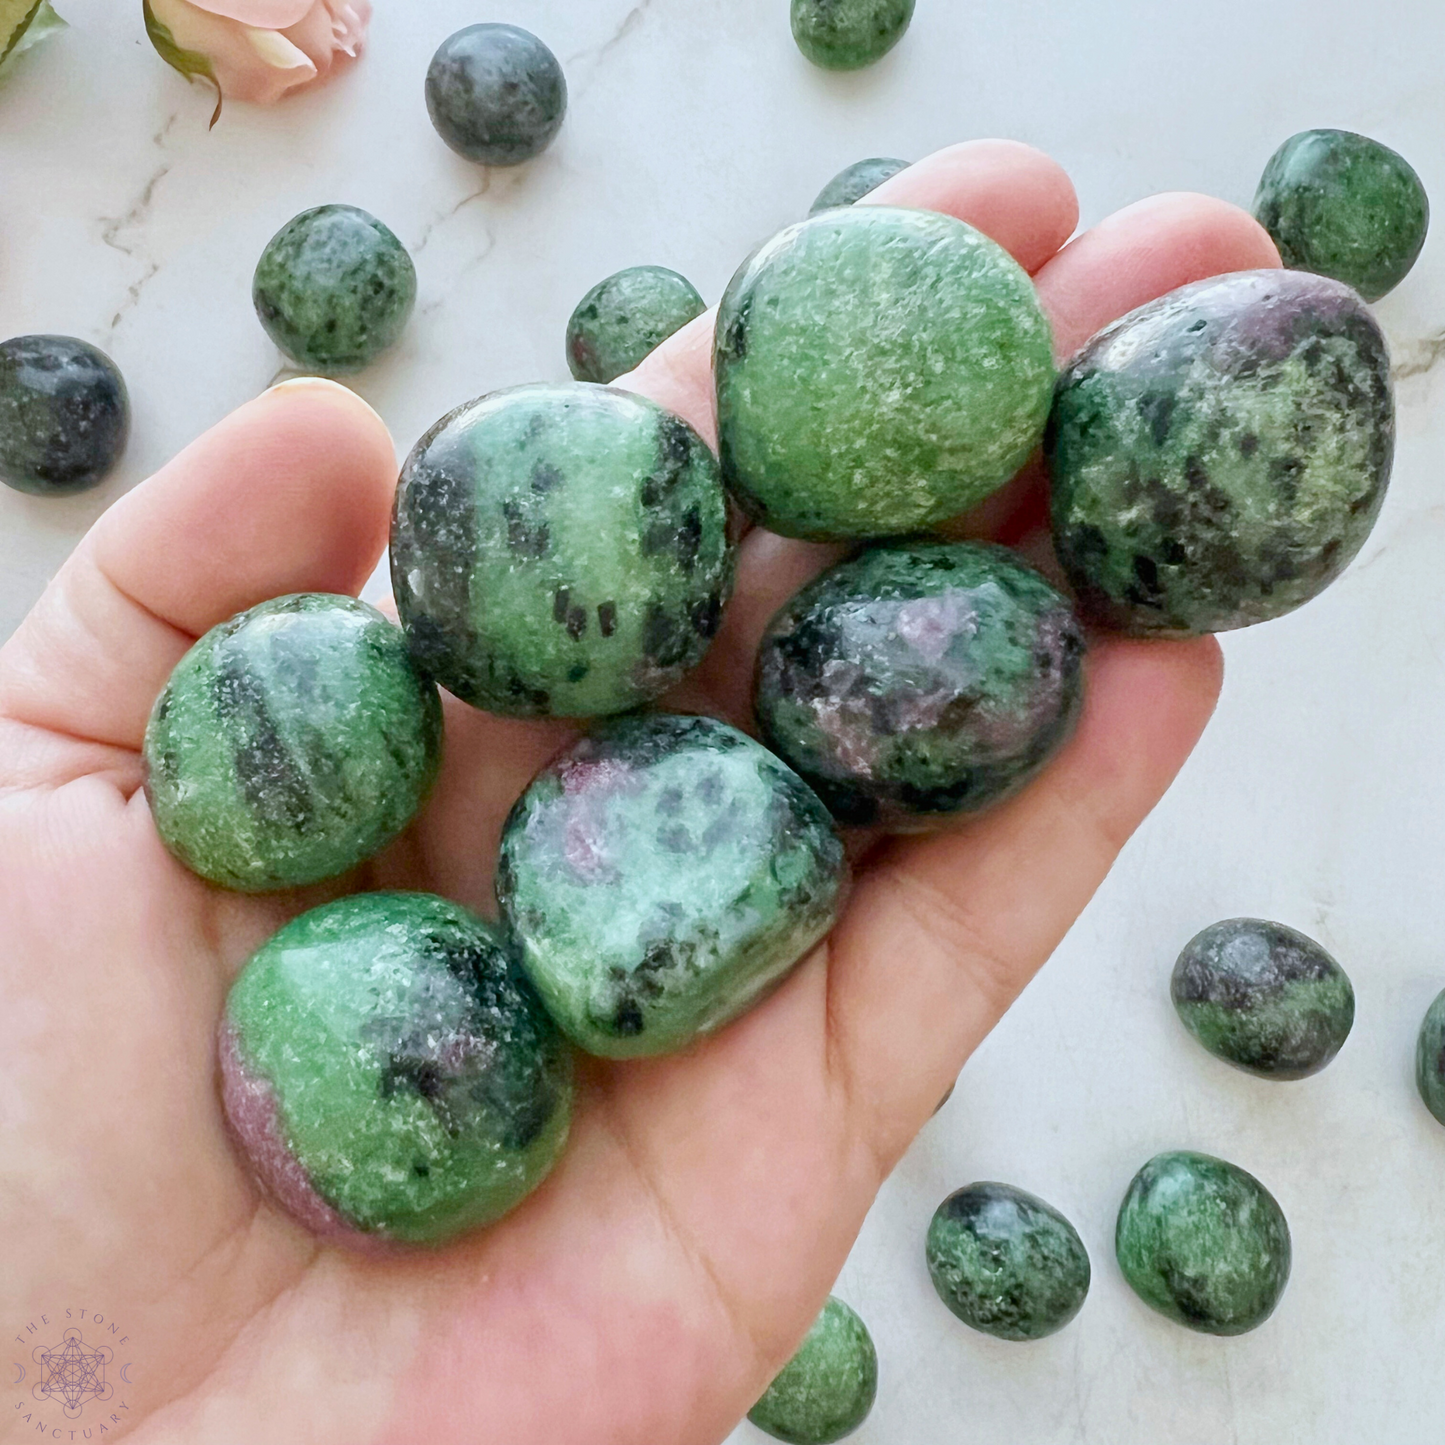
[560, 550]
[623, 319]
[1204, 1243]
[854, 182]
[921, 680]
[1430, 1059]
[1220, 455]
[390, 1072]
[661, 875]
[878, 370]
[1263, 997]
[291, 743]
[1007, 1263]
[827, 1389]
[849, 34]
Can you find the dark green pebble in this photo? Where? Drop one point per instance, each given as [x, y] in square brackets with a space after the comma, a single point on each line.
[1220, 455]
[1007, 1263]
[827, 1389]
[878, 370]
[920, 680]
[1344, 205]
[64, 415]
[849, 34]
[290, 744]
[496, 94]
[1430, 1059]
[660, 876]
[334, 289]
[625, 318]
[390, 1073]
[1263, 997]
[854, 182]
[560, 550]
[1204, 1243]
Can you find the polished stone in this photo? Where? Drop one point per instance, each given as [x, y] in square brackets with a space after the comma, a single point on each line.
[390, 1073]
[1263, 997]
[854, 182]
[1430, 1058]
[290, 744]
[334, 289]
[1007, 1263]
[920, 680]
[661, 875]
[1203, 1243]
[849, 34]
[560, 550]
[878, 370]
[827, 1389]
[64, 415]
[1221, 454]
[1344, 205]
[496, 94]
[622, 320]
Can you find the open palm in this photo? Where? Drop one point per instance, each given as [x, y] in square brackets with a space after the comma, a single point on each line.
[648, 1291]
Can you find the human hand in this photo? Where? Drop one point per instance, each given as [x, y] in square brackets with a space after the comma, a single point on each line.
[649, 1290]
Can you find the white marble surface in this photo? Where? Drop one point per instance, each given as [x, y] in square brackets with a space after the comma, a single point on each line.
[1317, 797]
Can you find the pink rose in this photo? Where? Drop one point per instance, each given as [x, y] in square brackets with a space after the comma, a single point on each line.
[257, 49]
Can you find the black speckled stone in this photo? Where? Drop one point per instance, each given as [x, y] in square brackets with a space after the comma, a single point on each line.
[625, 318]
[826, 1390]
[662, 875]
[1430, 1059]
[1007, 1263]
[1263, 997]
[334, 289]
[1344, 205]
[496, 94]
[560, 550]
[920, 680]
[1221, 454]
[849, 34]
[64, 415]
[854, 182]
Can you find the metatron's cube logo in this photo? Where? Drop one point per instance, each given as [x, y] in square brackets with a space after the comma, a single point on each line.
[72, 1372]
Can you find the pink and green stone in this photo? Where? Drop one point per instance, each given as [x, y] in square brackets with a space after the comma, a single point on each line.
[660, 876]
[389, 1072]
[827, 1389]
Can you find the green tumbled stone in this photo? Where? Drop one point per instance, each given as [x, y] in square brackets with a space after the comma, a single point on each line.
[1007, 1263]
[334, 289]
[827, 1389]
[625, 318]
[560, 550]
[390, 1072]
[1220, 455]
[849, 34]
[661, 875]
[291, 743]
[1344, 205]
[1263, 997]
[878, 370]
[854, 182]
[920, 680]
[1204, 1243]
[1430, 1059]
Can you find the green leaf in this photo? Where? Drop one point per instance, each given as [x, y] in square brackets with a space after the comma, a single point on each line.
[191, 63]
[23, 23]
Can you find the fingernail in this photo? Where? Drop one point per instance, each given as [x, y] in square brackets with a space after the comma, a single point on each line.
[308, 383]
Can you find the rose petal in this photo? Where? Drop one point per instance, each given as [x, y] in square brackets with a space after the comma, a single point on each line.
[260, 14]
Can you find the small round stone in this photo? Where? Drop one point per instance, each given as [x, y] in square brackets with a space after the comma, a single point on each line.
[1430, 1059]
[827, 1389]
[1204, 1243]
[854, 182]
[1007, 1263]
[1220, 455]
[625, 318]
[1345, 206]
[878, 369]
[1263, 997]
[64, 415]
[920, 680]
[334, 289]
[849, 34]
[496, 94]
[290, 744]
[560, 550]
[660, 876]
[389, 1072]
